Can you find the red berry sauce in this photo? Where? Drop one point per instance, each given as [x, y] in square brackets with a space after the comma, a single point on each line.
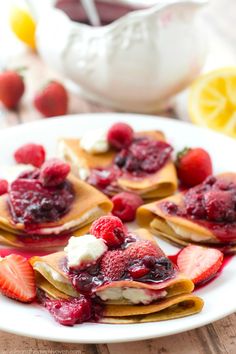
[35, 240]
[24, 253]
[211, 204]
[105, 179]
[31, 203]
[67, 312]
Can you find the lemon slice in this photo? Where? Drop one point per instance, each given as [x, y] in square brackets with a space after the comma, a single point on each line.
[23, 25]
[212, 101]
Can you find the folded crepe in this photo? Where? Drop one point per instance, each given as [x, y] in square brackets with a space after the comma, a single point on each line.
[182, 230]
[173, 297]
[88, 205]
[152, 186]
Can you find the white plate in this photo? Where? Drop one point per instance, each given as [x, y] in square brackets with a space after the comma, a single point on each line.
[219, 296]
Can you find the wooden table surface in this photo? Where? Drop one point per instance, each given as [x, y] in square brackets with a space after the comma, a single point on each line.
[217, 337]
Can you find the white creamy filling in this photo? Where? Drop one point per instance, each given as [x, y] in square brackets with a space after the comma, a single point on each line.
[134, 295]
[55, 275]
[95, 141]
[70, 224]
[77, 166]
[11, 173]
[84, 250]
[186, 235]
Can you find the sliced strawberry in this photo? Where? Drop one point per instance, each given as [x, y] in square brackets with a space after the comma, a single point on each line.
[113, 264]
[199, 263]
[17, 278]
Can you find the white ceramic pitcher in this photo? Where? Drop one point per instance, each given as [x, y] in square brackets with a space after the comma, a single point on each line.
[137, 63]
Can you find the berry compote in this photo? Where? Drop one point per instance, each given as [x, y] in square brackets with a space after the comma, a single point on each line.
[142, 158]
[32, 204]
[118, 264]
[211, 204]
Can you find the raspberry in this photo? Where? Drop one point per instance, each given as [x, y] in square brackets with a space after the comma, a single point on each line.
[53, 172]
[138, 250]
[219, 206]
[113, 264]
[110, 229]
[194, 201]
[125, 205]
[120, 135]
[30, 154]
[157, 154]
[3, 186]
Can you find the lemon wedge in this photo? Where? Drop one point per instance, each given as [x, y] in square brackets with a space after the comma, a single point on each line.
[212, 101]
[23, 25]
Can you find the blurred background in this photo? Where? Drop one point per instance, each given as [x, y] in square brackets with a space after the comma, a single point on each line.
[92, 92]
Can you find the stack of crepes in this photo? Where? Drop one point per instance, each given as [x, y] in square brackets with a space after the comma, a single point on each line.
[151, 186]
[88, 204]
[182, 230]
[177, 301]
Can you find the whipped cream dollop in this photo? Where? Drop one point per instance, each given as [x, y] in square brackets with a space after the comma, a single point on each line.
[84, 250]
[95, 141]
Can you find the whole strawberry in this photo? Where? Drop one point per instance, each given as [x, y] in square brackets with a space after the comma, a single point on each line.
[193, 166]
[113, 264]
[52, 100]
[141, 249]
[11, 88]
